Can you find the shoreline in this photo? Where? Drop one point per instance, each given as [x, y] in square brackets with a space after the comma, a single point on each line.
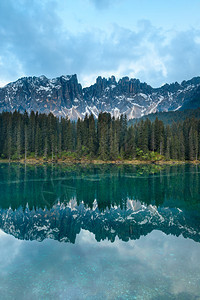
[33, 161]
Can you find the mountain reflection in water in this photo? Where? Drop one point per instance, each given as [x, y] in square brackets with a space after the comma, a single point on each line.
[125, 202]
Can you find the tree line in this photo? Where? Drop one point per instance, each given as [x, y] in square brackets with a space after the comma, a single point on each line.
[107, 138]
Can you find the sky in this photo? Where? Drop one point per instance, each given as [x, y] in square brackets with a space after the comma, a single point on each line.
[155, 41]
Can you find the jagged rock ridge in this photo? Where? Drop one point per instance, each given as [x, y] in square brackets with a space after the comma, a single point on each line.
[64, 96]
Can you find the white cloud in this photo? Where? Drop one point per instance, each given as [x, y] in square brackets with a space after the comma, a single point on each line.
[103, 4]
[35, 42]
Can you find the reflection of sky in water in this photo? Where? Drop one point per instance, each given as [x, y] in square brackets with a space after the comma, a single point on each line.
[152, 267]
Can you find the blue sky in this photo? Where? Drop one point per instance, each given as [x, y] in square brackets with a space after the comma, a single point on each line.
[155, 41]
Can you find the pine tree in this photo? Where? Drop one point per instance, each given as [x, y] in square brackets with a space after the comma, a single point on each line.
[36, 140]
[181, 154]
[111, 138]
[123, 135]
[18, 143]
[79, 137]
[91, 136]
[9, 138]
[195, 144]
[152, 137]
[131, 147]
[25, 141]
[191, 145]
[104, 121]
[69, 136]
[46, 147]
[167, 143]
[60, 144]
[32, 131]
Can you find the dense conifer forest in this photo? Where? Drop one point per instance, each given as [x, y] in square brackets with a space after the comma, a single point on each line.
[46, 136]
[170, 117]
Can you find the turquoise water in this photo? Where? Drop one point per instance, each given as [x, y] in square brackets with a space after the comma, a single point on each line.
[107, 232]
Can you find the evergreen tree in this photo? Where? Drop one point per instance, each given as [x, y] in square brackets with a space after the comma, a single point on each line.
[106, 137]
[37, 140]
[168, 142]
[18, 142]
[25, 141]
[8, 139]
[91, 136]
[104, 121]
[131, 147]
[195, 144]
[79, 137]
[191, 144]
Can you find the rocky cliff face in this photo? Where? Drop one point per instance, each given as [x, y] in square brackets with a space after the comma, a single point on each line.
[64, 96]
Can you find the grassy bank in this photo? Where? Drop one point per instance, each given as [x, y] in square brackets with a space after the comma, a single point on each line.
[41, 161]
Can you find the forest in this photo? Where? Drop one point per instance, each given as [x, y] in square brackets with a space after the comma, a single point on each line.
[36, 136]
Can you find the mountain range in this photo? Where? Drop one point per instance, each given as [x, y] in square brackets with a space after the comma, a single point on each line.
[64, 96]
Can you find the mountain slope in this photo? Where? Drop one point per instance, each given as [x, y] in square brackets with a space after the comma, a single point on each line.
[64, 96]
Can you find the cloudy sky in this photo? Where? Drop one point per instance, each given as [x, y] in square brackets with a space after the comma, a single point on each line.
[155, 41]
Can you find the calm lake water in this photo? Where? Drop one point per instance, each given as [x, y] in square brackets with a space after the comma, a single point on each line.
[106, 232]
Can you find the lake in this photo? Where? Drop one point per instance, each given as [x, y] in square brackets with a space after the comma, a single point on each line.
[99, 232]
